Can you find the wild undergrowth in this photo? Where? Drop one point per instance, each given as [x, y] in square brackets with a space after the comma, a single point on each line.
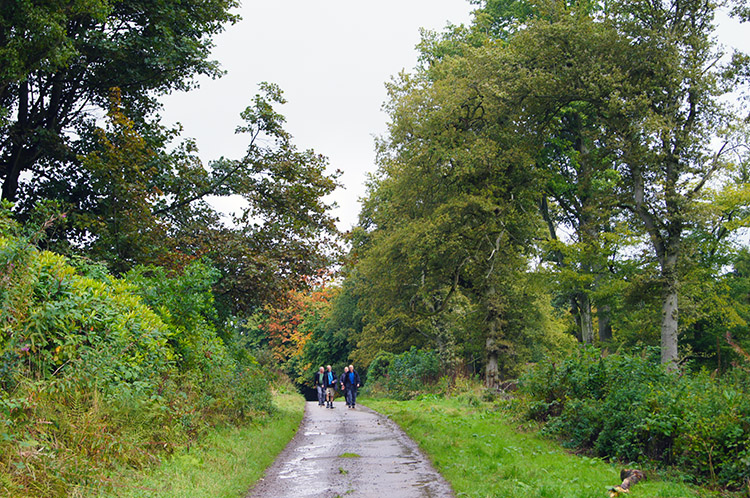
[628, 407]
[98, 371]
[404, 375]
[620, 407]
[223, 465]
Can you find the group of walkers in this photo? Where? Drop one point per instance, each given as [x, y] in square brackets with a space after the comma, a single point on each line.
[326, 382]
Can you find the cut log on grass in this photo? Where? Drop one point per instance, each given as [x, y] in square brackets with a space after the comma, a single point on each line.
[629, 477]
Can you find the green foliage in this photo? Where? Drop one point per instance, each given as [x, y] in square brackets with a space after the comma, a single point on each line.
[64, 324]
[186, 303]
[547, 115]
[334, 334]
[285, 236]
[142, 201]
[98, 372]
[309, 329]
[405, 375]
[77, 51]
[452, 214]
[413, 369]
[116, 223]
[380, 365]
[628, 407]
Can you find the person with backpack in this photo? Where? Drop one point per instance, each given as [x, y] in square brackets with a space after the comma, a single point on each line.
[329, 382]
[319, 385]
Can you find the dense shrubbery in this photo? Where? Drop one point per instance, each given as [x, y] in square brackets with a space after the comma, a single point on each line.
[405, 375]
[98, 371]
[630, 408]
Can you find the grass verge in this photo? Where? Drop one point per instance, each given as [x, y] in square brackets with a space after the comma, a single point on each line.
[482, 454]
[224, 465]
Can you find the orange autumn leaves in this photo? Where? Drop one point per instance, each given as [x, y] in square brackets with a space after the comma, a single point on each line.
[291, 325]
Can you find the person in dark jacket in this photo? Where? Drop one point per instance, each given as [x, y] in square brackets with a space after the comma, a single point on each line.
[319, 386]
[353, 383]
[344, 386]
[329, 382]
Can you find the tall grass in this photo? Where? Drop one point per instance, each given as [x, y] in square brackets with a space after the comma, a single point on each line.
[224, 465]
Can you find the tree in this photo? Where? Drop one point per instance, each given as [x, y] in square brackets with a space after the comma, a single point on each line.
[651, 81]
[60, 60]
[334, 333]
[554, 68]
[292, 325]
[285, 238]
[622, 100]
[118, 225]
[453, 211]
[567, 76]
[669, 116]
[135, 203]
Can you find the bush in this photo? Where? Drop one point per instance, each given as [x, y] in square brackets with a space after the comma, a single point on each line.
[378, 369]
[98, 371]
[630, 408]
[405, 375]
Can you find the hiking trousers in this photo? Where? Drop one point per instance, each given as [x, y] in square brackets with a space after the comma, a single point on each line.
[351, 396]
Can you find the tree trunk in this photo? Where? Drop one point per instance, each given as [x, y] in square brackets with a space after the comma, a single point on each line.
[667, 248]
[575, 311]
[492, 372]
[669, 311]
[605, 323]
[587, 327]
[14, 160]
[581, 309]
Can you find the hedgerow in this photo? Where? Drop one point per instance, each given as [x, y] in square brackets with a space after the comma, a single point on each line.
[97, 372]
[629, 407]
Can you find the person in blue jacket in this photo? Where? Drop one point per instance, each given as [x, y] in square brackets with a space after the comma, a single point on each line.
[351, 383]
[329, 382]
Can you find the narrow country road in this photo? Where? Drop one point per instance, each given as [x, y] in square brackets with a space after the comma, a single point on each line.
[350, 453]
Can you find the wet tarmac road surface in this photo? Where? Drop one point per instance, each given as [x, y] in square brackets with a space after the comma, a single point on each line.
[350, 453]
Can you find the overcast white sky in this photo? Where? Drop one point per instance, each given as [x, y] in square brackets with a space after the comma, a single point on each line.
[332, 59]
